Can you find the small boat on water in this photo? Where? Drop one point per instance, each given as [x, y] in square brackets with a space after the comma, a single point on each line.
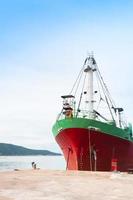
[90, 129]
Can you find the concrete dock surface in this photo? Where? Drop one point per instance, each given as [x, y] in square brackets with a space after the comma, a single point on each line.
[65, 185]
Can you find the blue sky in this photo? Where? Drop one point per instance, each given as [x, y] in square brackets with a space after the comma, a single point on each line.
[43, 44]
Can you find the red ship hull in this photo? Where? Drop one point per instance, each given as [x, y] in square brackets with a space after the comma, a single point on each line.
[93, 150]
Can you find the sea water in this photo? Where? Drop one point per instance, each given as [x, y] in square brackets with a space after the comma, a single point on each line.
[24, 162]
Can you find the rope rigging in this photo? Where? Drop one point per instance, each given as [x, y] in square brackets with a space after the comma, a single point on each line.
[100, 81]
[84, 82]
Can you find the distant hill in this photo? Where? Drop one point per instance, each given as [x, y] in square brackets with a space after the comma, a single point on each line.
[15, 150]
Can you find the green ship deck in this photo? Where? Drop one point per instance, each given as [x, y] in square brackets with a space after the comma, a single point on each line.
[107, 128]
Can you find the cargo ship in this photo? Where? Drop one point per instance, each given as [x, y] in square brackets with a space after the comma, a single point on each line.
[90, 129]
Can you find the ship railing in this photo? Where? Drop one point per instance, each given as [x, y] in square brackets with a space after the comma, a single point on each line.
[77, 114]
[84, 114]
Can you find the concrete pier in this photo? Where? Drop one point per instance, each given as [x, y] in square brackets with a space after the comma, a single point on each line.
[65, 185]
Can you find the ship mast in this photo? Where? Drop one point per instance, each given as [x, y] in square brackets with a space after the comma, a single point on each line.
[89, 69]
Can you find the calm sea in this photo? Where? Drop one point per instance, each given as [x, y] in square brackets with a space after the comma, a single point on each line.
[24, 162]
